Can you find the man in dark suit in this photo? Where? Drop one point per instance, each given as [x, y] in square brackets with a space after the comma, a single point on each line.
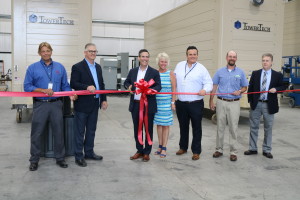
[87, 75]
[147, 73]
[265, 104]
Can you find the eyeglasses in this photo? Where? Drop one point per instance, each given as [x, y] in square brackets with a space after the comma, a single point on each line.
[90, 51]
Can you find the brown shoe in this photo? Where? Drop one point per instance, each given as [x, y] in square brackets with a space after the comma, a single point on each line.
[233, 157]
[195, 156]
[146, 158]
[136, 156]
[217, 154]
[180, 152]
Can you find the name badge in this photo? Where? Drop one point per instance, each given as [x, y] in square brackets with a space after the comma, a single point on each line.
[50, 85]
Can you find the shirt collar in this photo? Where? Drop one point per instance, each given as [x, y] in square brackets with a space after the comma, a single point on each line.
[89, 64]
[145, 69]
[44, 64]
[231, 69]
[267, 72]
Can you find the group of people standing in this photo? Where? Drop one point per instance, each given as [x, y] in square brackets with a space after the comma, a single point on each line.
[227, 84]
[189, 76]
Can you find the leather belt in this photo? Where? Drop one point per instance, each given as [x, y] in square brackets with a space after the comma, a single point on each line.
[228, 100]
[264, 101]
[48, 100]
[137, 101]
[196, 101]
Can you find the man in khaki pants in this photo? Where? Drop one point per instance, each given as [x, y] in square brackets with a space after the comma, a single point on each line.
[230, 82]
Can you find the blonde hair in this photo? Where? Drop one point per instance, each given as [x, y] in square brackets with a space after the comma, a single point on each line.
[162, 55]
[44, 44]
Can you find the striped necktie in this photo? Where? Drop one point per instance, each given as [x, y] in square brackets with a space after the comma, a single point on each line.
[263, 87]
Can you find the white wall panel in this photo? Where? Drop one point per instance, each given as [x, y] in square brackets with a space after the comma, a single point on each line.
[109, 46]
[291, 35]
[67, 41]
[132, 10]
[5, 7]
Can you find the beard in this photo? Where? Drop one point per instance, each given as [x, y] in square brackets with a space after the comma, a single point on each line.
[231, 63]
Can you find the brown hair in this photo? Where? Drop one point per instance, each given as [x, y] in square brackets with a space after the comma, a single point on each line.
[44, 44]
[267, 55]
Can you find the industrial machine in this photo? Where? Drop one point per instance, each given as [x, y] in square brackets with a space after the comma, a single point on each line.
[115, 70]
[291, 77]
[5, 79]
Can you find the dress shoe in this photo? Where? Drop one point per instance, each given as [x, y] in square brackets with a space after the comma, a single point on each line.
[217, 154]
[146, 158]
[62, 163]
[195, 156]
[268, 155]
[249, 152]
[33, 166]
[233, 158]
[180, 152]
[94, 157]
[136, 156]
[81, 163]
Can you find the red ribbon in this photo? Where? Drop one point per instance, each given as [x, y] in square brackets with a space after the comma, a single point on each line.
[57, 94]
[85, 92]
[144, 90]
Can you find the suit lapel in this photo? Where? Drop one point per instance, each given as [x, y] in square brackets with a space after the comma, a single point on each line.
[98, 74]
[259, 77]
[147, 75]
[87, 69]
[272, 78]
[134, 76]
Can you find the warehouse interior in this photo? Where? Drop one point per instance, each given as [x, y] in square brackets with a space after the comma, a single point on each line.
[120, 28]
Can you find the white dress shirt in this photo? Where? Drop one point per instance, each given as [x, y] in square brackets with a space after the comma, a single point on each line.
[192, 79]
[141, 75]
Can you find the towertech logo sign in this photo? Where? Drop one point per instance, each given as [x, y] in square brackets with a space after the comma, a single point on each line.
[50, 20]
[250, 27]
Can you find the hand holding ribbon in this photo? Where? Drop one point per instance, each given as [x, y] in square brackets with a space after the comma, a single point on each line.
[144, 90]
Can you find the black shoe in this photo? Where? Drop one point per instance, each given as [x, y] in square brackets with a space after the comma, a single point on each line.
[94, 157]
[33, 166]
[62, 164]
[81, 163]
[249, 152]
[268, 155]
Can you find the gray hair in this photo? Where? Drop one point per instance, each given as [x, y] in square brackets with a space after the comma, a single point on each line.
[88, 44]
[162, 55]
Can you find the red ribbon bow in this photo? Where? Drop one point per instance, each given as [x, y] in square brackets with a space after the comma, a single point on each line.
[144, 90]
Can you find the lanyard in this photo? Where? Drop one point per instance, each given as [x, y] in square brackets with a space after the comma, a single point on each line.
[51, 67]
[189, 70]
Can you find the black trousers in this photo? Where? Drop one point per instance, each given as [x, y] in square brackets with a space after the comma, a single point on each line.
[85, 130]
[146, 149]
[187, 112]
[42, 113]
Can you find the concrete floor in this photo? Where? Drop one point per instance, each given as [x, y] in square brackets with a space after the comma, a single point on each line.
[175, 177]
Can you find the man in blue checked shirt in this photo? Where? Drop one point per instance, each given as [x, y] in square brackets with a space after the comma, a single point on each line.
[232, 81]
[46, 76]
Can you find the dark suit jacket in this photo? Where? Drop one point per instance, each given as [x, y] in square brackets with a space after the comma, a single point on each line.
[81, 78]
[150, 74]
[254, 86]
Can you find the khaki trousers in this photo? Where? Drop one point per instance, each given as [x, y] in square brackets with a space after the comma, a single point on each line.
[227, 113]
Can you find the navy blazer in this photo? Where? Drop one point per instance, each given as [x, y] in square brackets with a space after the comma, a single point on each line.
[150, 74]
[81, 78]
[254, 86]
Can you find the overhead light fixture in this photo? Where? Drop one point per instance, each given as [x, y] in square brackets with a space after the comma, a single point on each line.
[257, 2]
